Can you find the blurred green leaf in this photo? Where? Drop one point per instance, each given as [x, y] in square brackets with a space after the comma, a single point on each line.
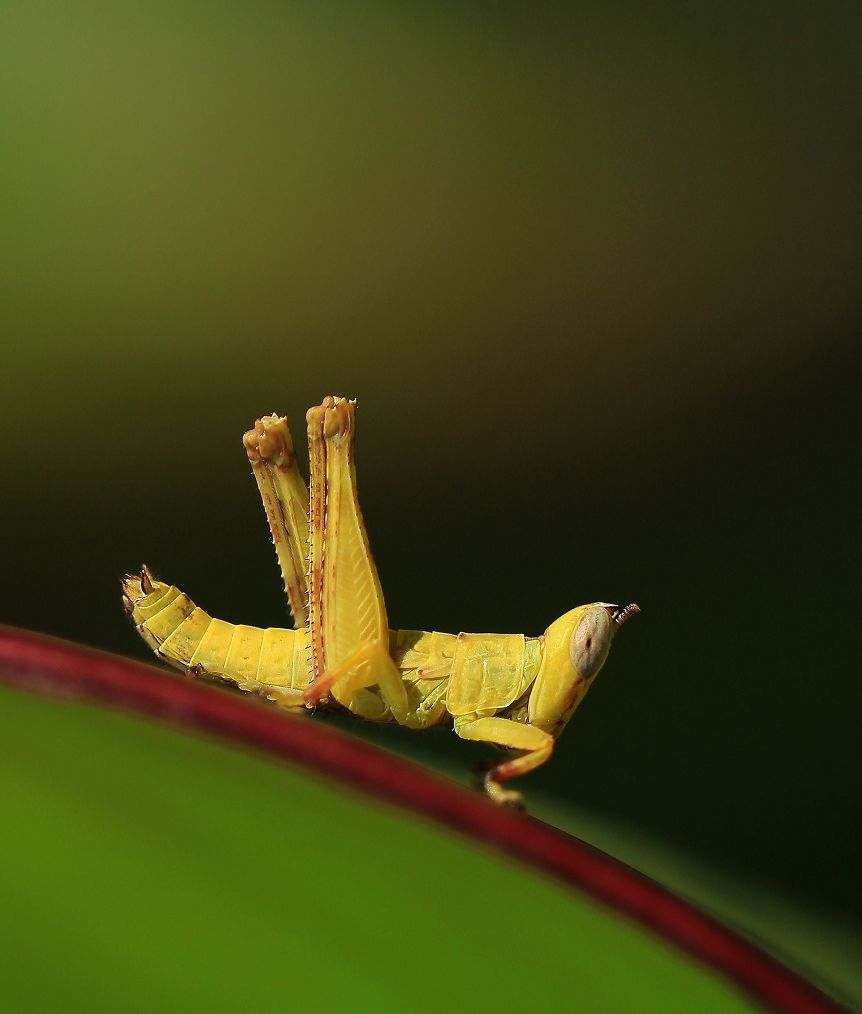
[146, 870]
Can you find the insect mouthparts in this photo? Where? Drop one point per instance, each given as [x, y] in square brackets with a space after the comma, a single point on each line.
[623, 613]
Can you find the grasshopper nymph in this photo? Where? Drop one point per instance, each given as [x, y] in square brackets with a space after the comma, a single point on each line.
[506, 689]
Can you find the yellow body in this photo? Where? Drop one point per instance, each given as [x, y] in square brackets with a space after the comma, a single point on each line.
[507, 689]
[273, 662]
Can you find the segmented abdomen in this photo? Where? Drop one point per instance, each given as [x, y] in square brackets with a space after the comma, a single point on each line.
[271, 662]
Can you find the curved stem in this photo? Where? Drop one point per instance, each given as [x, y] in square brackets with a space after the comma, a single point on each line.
[38, 664]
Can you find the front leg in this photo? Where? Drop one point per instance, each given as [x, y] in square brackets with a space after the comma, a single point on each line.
[506, 733]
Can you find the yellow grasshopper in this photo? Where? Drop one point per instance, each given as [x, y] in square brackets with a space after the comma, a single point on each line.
[513, 691]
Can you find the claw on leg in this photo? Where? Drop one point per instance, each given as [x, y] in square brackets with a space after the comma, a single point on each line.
[483, 780]
[535, 743]
[500, 795]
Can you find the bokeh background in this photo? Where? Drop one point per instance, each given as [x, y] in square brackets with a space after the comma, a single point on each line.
[592, 272]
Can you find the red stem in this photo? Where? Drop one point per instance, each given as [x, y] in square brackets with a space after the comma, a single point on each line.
[59, 669]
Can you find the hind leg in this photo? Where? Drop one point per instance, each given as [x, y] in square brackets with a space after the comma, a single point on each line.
[285, 499]
[347, 615]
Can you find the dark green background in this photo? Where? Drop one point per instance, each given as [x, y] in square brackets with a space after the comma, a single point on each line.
[593, 274]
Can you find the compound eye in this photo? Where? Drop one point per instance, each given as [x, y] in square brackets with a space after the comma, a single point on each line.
[589, 645]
